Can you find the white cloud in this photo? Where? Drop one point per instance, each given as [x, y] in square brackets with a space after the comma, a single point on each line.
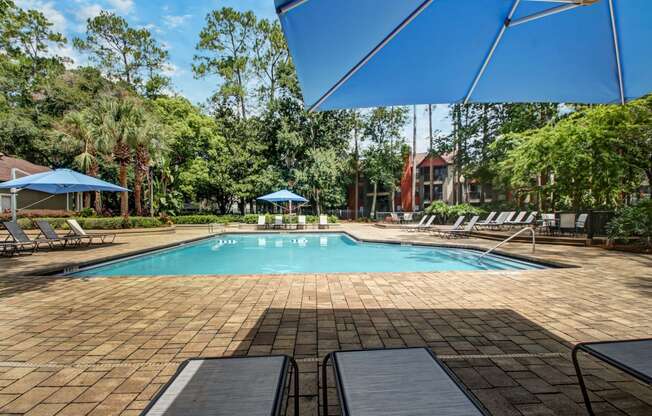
[171, 70]
[48, 9]
[175, 21]
[123, 6]
[85, 12]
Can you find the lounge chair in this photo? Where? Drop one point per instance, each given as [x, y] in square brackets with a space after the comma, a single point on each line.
[405, 381]
[9, 248]
[414, 227]
[227, 386]
[323, 221]
[407, 217]
[581, 222]
[261, 222]
[513, 222]
[78, 231]
[50, 234]
[461, 232]
[633, 357]
[19, 237]
[456, 226]
[278, 221]
[487, 220]
[567, 222]
[498, 222]
[428, 225]
[528, 221]
[301, 222]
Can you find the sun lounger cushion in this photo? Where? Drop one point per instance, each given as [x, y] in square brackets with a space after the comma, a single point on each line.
[399, 382]
[636, 354]
[224, 387]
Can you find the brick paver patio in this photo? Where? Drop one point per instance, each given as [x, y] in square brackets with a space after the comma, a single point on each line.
[103, 346]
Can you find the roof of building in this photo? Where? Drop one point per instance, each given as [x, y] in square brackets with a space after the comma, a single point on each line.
[447, 157]
[7, 163]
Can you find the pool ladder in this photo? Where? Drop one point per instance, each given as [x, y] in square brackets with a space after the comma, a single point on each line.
[511, 237]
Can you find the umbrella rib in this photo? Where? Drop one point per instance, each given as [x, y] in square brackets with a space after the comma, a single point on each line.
[614, 31]
[289, 6]
[372, 53]
[490, 55]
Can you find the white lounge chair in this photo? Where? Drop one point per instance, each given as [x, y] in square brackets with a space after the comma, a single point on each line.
[517, 220]
[261, 222]
[428, 225]
[77, 230]
[278, 221]
[301, 221]
[444, 229]
[487, 220]
[581, 222]
[414, 227]
[529, 221]
[463, 232]
[323, 221]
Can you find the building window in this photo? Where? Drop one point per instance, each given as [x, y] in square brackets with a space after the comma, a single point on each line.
[424, 173]
[440, 173]
[437, 192]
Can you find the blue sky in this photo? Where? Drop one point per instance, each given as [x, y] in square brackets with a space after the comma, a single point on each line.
[176, 24]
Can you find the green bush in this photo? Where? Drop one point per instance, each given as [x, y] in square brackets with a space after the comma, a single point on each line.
[632, 222]
[447, 213]
[109, 223]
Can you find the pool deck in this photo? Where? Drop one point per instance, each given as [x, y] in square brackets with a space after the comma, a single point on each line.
[103, 346]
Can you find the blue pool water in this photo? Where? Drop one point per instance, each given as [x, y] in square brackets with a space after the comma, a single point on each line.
[299, 253]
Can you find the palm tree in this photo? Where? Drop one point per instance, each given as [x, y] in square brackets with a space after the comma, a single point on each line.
[79, 133]
[143, 139]
[118, 116]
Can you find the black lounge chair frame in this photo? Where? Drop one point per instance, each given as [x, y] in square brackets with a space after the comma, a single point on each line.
[289, 362]
[586, 348]
[49, 234]
[343, 405]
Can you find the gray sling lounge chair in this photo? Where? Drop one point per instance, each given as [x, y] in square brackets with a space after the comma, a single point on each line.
[444, 229]
[405, 381]
[633, 357]
[461, 232]
[49, 234]
[19, 236]
[252, 386]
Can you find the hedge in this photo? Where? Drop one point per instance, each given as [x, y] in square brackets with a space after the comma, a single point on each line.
[100, 223]
[246, 219]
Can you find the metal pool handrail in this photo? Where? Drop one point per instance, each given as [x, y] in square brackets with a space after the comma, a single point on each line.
[509, 239]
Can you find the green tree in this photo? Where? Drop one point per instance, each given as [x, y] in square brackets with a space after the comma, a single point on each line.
[126, 54]
[225, 50]
[321, 178]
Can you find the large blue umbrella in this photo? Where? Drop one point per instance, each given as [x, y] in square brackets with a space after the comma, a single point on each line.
[61, 181]
[283, 196]
[366, 53]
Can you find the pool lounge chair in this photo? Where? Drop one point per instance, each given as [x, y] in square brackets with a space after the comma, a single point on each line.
[19, 236]
[487, 220]
[567, 223]
[442, 229]
[415, 227]
[548, 223]
[633, 357]
[50, 234]
[404, 381]
[261, 225]
[323, 221]
[460, 232]
[227, 386]
[581, 222]
[9, 248]
[528, 221]
[428, 225]
[498, 222]
[301, 222]
[278, 221]
[513, 222]
[78, 231]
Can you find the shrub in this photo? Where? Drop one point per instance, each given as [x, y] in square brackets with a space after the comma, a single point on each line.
[111, 223]
[87, 212]
[447, 213]
[633, 221]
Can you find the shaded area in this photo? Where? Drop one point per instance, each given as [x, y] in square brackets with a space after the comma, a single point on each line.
[514, 366]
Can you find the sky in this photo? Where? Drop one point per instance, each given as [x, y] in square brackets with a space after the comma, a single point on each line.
[176, 24]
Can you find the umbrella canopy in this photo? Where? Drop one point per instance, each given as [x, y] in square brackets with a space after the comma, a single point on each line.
[368, 53]
[61, 181]
[283, 196]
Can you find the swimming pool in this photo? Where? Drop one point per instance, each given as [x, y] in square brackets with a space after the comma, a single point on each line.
[238, 254]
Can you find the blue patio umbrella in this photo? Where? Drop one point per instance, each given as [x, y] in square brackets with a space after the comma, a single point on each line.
[366, 53]
[283, 196]
[59, 181]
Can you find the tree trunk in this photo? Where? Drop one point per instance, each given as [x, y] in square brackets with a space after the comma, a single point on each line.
[124, 196]
[317, 202]
[87, 200]
[138, 191]
[373, 200]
